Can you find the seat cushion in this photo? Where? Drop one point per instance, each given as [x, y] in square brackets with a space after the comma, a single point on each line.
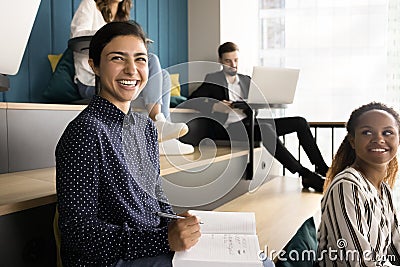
[61, 88]
[301, 250]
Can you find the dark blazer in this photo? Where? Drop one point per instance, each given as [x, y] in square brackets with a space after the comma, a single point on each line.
[212, 90]
[215, 86]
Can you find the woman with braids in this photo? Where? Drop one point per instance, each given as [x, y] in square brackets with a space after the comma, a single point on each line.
[359, 224]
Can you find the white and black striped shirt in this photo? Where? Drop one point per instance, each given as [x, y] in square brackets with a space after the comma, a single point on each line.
[359, 227]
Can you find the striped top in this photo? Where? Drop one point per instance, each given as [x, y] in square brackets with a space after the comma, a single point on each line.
[358, 226]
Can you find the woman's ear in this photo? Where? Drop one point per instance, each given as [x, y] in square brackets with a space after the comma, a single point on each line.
[94, 68]
[350, 138]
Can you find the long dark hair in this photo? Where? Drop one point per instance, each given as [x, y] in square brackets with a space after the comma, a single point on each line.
[123, 12]
[345, 156]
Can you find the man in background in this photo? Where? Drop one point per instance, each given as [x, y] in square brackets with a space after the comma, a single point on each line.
[216, 95]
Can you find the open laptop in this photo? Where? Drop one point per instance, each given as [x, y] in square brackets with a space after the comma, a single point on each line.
[271, 86]
[16, 21]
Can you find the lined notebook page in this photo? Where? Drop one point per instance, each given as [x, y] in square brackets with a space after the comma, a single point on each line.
[225, 248]
[226, 222]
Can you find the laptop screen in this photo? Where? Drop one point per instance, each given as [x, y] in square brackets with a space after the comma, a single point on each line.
[273, 85]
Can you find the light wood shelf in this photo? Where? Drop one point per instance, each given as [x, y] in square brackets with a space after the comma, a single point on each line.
[33, 188]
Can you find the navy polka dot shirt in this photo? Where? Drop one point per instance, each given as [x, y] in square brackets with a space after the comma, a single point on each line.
[108, 188]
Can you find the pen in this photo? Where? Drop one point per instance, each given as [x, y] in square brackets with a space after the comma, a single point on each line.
[170, 216]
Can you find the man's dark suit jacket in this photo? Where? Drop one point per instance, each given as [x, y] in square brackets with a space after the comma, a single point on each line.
[212, 90]
[215, 86]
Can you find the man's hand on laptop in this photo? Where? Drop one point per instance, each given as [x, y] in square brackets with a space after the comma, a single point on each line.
[223, 106]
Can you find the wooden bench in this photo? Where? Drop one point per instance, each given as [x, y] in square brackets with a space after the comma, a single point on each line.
[28, 199]
[280, 205]
[29, 189]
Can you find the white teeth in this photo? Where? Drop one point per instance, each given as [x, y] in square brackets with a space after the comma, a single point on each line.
[378, 150]
[128, 83]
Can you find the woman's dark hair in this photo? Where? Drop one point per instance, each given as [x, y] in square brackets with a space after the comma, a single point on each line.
[345, 156]
[108, 32]
[226, 48]
[123, 12]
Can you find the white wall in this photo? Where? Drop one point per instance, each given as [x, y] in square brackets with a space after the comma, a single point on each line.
[204, 30]
[239, 24]
[213, 22]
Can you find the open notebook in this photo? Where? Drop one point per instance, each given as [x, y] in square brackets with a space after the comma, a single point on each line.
[227, 239]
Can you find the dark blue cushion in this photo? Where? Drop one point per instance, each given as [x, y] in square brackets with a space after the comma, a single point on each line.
[61, 88]
[301, 251]
[176, 100]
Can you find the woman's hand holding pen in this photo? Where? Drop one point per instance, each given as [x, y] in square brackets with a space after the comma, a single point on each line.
[184, 233]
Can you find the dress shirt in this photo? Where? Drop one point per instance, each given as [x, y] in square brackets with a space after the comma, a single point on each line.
[108, 188]
[234, 90]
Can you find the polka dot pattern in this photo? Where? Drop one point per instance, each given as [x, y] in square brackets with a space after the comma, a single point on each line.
[108, 188]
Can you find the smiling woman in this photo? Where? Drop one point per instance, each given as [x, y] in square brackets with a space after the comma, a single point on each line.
[120, 65]
[123, 70]
[358, 214]
[108, 170]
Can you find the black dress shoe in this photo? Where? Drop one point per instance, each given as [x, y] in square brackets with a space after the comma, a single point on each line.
[322, 170]
[313, 180]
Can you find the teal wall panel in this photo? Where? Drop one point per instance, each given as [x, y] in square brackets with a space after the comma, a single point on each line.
[140, 13]
[163, 28]
[19, 84]
[39, 47]
[75, 4]
[152, 25]
[165, 21]
[60, 16]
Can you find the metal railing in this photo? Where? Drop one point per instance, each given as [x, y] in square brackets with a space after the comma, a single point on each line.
[333, 143]
[332, 126]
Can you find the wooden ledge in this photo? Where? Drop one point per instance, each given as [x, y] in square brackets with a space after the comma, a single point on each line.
[174, 164]
[35, 106]
[43, 106]
[26, 189]
[33, 188]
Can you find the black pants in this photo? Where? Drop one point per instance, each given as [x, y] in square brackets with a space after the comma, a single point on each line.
[265, 130]
[269, 130]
